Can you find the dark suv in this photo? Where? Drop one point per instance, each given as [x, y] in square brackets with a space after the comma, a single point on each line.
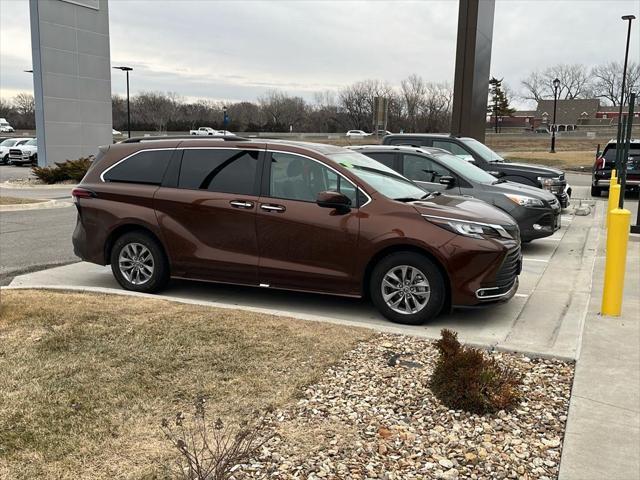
[536, 211]
[483, 157]
[605, 162]
[290, 216]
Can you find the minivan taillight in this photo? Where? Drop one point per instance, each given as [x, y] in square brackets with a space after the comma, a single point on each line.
[599, 165]
[82, 193]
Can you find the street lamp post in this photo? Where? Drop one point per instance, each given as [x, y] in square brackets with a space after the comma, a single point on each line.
[619, 158]
[127, 70]
[556, 85]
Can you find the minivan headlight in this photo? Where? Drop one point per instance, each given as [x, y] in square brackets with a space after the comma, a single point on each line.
[524, 201]
[468, 228]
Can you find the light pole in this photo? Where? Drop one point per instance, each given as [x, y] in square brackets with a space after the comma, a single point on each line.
[619, 159]
[556, 85]
[127, 70]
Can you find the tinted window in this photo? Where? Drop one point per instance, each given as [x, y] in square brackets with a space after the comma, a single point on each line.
[385, 158]
[415, 142]
[457, 150]
[219, 170]
[147, 167]
[423, 169]
[610, 153]
[298, 178]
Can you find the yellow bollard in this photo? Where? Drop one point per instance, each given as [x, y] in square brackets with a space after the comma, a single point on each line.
[616, 260]
[614, 198]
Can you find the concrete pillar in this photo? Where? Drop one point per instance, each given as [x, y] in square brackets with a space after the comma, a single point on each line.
[71, 77]
[473, 62]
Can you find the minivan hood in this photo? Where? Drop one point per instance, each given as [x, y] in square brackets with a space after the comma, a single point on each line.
[463, 208]
[538, 170]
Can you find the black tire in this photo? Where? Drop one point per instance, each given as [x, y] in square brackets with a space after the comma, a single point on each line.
[425, 266]
[596, 191]
[34, 159]
[160, 275]
[5, 159]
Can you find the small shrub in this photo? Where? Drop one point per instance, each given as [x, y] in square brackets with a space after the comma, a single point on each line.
[73, 170]
[465, 378]
[210, 451]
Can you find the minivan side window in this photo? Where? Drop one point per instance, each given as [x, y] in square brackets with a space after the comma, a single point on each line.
[146, 167]
[422, 169]
[299, 178]
[219, 170]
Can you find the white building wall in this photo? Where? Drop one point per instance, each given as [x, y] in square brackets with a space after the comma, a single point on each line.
[72, 78]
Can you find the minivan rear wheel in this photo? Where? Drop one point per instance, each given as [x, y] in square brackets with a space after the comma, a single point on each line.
[138, 263]
[407, 288]
[596, 191]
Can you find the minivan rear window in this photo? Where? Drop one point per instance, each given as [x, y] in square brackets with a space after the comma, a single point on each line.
[610, 153]
[146, 166]
[219, 170]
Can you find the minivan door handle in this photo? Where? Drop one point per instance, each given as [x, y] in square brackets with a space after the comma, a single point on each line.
[272, 208]
[241, 204]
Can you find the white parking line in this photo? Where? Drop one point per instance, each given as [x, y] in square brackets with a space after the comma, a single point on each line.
[521, 295]
[535, 260]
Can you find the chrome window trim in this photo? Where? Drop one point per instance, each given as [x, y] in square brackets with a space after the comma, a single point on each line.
[221, 147]
[132, 155]
[330, 168]
[499, 228]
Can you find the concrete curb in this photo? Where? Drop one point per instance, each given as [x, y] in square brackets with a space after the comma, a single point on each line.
[27, 186]
[35, 206]
[391, 328]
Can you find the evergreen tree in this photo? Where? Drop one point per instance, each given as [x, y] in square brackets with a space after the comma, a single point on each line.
[498, 101]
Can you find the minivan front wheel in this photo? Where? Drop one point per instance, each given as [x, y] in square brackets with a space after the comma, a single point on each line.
[408, 288]
[138, 263]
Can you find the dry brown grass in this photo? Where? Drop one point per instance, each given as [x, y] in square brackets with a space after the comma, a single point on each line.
[542, 143]
[17, 201]
[563, 159]
[85, 379]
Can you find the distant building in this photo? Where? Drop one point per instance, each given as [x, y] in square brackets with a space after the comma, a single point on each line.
[570, 115]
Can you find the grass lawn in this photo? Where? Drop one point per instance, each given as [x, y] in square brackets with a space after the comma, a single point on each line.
[17, 201]
[85, 379]
[564, 159]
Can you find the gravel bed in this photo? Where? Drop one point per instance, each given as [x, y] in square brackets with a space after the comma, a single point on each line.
[373, 416]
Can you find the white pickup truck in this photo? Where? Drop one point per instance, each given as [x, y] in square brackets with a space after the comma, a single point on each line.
[25, 153]
[204, 131]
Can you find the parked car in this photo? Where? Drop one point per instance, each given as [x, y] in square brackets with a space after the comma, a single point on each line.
[357, 134]
[536, 211]
[5, 127]
[203, 131]
[290, 215]
[483, 157]
[27, 153]
[605, 162]
[381, 133]
[8, 143]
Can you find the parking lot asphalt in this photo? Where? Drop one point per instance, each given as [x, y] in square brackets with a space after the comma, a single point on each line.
[544, 318]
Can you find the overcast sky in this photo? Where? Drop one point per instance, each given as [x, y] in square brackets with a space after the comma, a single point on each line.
[237, 50]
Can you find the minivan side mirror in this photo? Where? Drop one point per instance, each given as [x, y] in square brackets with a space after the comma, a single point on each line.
[332, 199]
[447, 180]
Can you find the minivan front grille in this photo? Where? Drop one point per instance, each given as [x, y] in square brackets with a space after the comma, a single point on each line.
[510, 269]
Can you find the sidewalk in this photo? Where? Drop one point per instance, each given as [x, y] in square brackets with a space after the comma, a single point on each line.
[602, 440]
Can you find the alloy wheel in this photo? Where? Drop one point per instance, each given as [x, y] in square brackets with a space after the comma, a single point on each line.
[405, 289]
[136, 263]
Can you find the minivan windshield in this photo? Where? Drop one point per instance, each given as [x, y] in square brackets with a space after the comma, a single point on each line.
[379, 176]
[482, 150]
[8, 142]
[465, 169]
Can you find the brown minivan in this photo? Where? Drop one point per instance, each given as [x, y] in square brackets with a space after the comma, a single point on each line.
[290, 215]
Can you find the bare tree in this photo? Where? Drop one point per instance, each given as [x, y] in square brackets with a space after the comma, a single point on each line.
[413, 91]
[281, 110]
[25, 104]
[608, 81]
[575, 81]
[154, 108]
[437, 107]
